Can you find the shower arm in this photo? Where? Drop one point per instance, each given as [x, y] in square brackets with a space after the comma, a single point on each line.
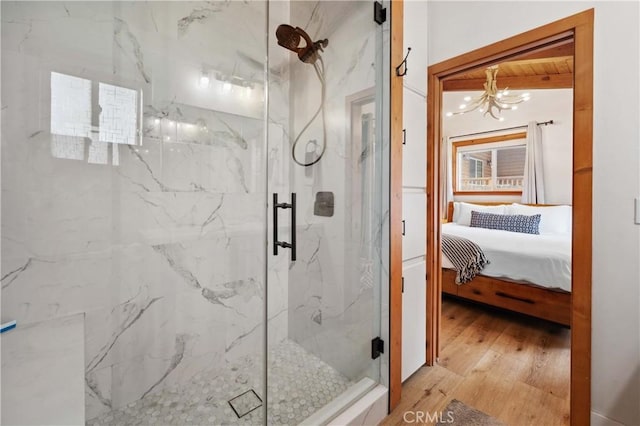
[307, 54]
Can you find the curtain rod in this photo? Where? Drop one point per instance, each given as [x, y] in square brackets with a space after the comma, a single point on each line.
[544, 123]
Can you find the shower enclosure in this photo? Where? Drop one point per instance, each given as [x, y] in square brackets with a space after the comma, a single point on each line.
[142, 145]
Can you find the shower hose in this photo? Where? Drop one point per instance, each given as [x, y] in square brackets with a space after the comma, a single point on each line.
[320, 73]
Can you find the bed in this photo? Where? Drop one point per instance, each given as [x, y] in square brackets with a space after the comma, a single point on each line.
[529, 274]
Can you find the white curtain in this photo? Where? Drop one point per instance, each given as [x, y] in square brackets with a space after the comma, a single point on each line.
[446, 182]
[533, 184]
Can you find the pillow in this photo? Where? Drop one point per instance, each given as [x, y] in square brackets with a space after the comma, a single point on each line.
[505, 222]
[463, 210]
[554, 219]
[456, 212]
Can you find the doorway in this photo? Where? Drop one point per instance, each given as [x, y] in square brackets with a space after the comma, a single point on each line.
[579, 29]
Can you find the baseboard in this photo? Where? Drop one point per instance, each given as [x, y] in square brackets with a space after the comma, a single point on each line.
[600, 420]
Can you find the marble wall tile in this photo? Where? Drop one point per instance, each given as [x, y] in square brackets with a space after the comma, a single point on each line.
[136, 328]
[42, 368]
[327, 317]
[58, 224]
[97, 393]
[135, 378]
[38, 288]
[331, 292]
[160, 244]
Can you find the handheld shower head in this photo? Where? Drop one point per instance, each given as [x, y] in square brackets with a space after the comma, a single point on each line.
[289, 38]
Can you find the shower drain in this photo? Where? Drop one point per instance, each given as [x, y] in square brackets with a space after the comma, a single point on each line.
[245, 403]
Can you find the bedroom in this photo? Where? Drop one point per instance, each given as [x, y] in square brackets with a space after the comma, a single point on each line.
[605, 361]
[485, 162]
[519, 155]
[508, 158]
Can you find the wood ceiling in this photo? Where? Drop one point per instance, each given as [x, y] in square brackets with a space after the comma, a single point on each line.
[550, 68]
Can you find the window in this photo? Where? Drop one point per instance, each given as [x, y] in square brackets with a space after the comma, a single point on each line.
[489, 165]
[475, 167]
[101, 115]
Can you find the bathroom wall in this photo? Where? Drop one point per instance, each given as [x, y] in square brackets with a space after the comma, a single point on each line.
[150, 222]
[332, 286]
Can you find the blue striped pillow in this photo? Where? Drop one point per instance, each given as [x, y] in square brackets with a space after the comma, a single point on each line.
[506, 222]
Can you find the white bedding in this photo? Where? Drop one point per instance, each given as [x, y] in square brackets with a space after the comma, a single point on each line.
[544, 260]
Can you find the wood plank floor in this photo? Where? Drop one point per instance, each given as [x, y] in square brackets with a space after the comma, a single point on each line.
[511, 367]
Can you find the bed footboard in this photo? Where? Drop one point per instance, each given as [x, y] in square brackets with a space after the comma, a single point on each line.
[538, 302]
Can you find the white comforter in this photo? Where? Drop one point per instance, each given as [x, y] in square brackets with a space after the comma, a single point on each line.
[544, 260]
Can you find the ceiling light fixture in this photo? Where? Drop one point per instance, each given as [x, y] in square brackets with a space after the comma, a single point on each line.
[492, 101]
[231, 83]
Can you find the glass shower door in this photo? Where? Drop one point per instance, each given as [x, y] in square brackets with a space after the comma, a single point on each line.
[196, 185]
[133, 212]
[142, 143]
[325, 166]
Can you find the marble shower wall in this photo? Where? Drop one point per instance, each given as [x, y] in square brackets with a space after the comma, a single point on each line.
[131, 195]
[333, 285]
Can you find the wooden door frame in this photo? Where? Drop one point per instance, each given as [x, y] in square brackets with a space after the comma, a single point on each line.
[395, 205]
[580, 28]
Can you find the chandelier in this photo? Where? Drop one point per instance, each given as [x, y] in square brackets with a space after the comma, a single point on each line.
[492, 101]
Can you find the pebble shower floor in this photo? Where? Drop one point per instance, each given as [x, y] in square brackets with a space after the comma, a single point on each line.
[299, 384]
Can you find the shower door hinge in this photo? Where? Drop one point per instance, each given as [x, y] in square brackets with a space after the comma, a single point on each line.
[379, 13]
[377, 347]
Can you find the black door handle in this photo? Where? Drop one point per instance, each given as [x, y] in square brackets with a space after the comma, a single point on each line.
[276, 242]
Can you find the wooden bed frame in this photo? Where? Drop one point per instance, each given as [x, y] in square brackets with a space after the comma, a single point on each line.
[535, 301]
